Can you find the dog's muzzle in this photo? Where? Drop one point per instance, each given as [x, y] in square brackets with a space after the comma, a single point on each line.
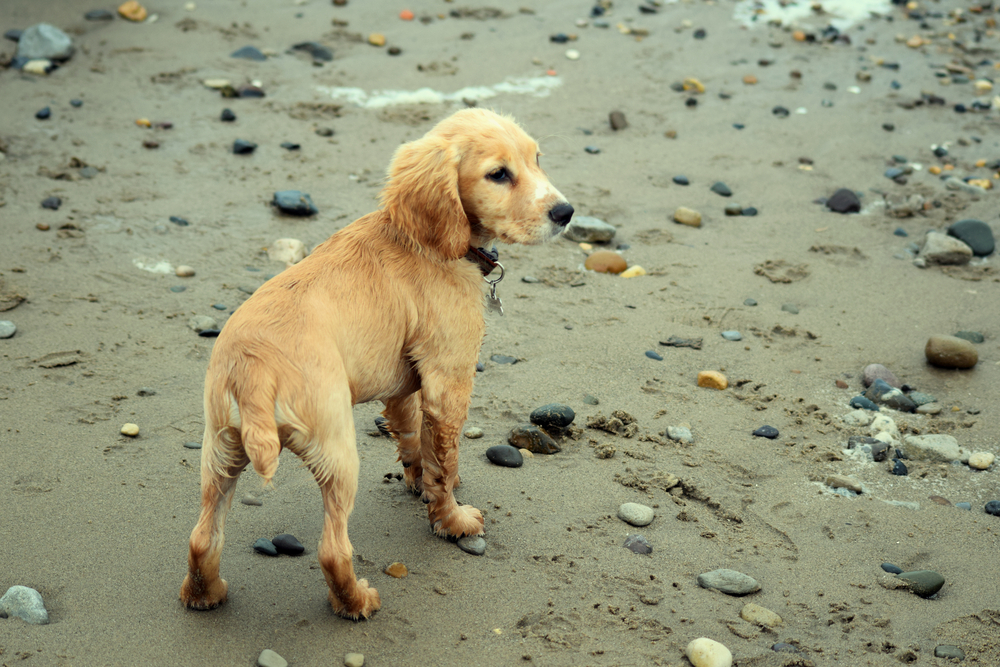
[561, 214]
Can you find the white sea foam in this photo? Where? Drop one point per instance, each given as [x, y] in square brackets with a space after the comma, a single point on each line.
[841, 14]
[539, 86]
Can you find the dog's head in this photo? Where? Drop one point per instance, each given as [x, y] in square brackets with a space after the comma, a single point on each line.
[475, 177]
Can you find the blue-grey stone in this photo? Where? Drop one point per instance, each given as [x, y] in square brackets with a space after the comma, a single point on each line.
[180, 222]
[593, 150]
[316, 50]
[790, 308]
[863, 403]
[971, 336]
[892, 569]
[920, 398]
[844, 201]
[288, 544]
[192, 445]
[964, 506]
[924, 583]
[732, 335]
[899, 468]
[587, 229]
[721, 188]
[505, 455]
[637, 544]
[99, 15]
[782, 647]
[52, 203]
[553, 415]
[974, 233]
[265, 546]
[243, 147]
[681, 180]
[25, 603]
[949, 651]
[44, 113]
[44, 41]
[178, 288]
[654, 355]
[227, 116]
[472, 544]
[882, 392]
[894, 172]
[899, 231]
[294, 202]
[768, 432]
[749, 212]
[729, 582]
[249, 53]
[7, 329]
[219, 306]
[750, 302]
[993, 507]
[503, 359]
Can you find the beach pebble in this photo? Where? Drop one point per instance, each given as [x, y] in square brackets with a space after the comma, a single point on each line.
[768, 432]
[687, 216]
[881, 392]
[633, 272]
[936, 447]
[44, 41]
[981, 460]
[376, 39]
[945, 250]
[754, 613]
[950, 352]
[180, 222]
[593, 150]
[131, 430]
[924, 583]
[396, 570]
[473, 433]
[721, 188]
[269, 658]
[132, 11]
[971, 336]
[503, 359]
[294, 202]
[472, 544]
[949, 652]
[844, 201]
[992, 508]
[729, 582]
[184, 271]
[733, 210]
[265, 546]
[25, 603]
[617, 120]
[553, 415]
[317, 51]
[572, 54]
[653, 354]
[892, 569]
[920, 398]
[505, 455]
[7, 329]
[533, 439]
[712, 380]
[191, 444]
[227, 116]
[289, 251]
[964, 506]
[681, 434]
[200, 323]
[790, 308]
[732, 335]
[249, 53]
[844, 482]
[639, 545]
[782, 647]
[251, 501]
[99, 15]
[354, 660]
[244, 147]
[52, 203]
[635, 514]
[585, 229]
[605, 261]
[874, 372]
[899, 468]
[681, 180]
[863, 403]
[44, 113]
[883, 424]
[974, 233]
[705, 652]
[288, 545]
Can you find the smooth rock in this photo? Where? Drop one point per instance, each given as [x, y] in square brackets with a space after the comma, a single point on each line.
[844, 482]
[99, 15]
[131, 430]
[200, 323]
[899, 468]
[892, 569]
[52, 203]
[505, 455]
[936, 447]
[396, 570]
[633, 271]
[553, 415]
[844, 201]
[883, 424]
[585, 229]
[712, 380]
[653, 354]
[964, 506]
[733, 210]
[184, 271]
[732, 335]
[249, 53]
[354, 660]
[721, 188]
[533, 439]
[790, 308]
[874, 372]
[974, 233]
[617, 120]
[681, 434]
[639, 545]
[7, 329]
[251, 501]
[981, 460]
[243, 147]
[294, 202]
[924, 583]
[474, 433]
[472, 544]
[269, 658]
[180, 222]
[782, 647]
[191, 444]
[288, 545]
[503, 359]
[289, 251]
[687, 216]
[44, 113]
[317, 51]
[881, 392]
[635, 514]
[945, 250]
[265, 546]
[992, 508]
[227, 116]
[950, 352]
[681, 180]
[971, 336]
[754, 613]
[949, 652]
[729, 582]
[25, 603]
[605, 261]
[921, 398]
[705, 652]
[863, 403]
[768, 432]
[44, 41]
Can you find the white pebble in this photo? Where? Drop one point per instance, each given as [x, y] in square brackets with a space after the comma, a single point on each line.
[7, 329]
[705, 652]
[473, 432]
[40, 67]
[269, 658]
[635, 514]
[131, 430]
[573, 54]
[354, 660]
[981, 460]
[184, 271]
[289, 251]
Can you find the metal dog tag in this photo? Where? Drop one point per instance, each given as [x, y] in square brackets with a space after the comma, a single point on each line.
[493, 303]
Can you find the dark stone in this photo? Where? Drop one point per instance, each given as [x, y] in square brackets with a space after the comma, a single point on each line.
[637, 544]
[749, 212]
[993, 507]
[395, 51]
[533, 439]
[13, 34]
[503, 359]
[721, 188]
[244, 147]
[219, 306]
[294, 202]
[971, 336]
[681, 180]
[553, 415]
[882, 392]
[289, 146]
[288, 545]
[505, 455]
[472, 544]
[750, 302]
[739, 126]
[653, 355]
[99, 15]
[179, 221]
[974, 233]
[924, 583]
[899, 231]
[593, 150]
[177, 289]
[700, 33]
[249, 91]
[52, 203]
[863, 403]
[768, 432]
[878, 448]
[316, 50]
[892, 569]
[265, 546]
[844, 201]
[782, 647]
[192, 445]
[43, 114]
[209, 333]
[691, 102]
[733, 210]
[899, 468]
[780, 112]
[675, 341]
[940, 151]
[617, 120]
[894, 172]
[559, 38]
[227, 115]
[76, 103]
[325, 131]
[249, 53]
[888, 127]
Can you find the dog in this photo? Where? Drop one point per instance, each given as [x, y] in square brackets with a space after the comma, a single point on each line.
[390, 308]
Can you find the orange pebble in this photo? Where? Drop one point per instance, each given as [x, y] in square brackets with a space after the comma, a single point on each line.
[406, 15]
[132, 11]
[750, 79]
[934, 169]
[605, 261]
[980, 163]
[143, 122]
[397, 570]
[550, 72]
[799, 36]
[949, 167]
[712, 380]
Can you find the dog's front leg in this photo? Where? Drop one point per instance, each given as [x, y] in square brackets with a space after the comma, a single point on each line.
[445, 407]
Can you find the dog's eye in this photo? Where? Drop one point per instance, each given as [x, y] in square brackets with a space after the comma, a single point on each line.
[499, 175]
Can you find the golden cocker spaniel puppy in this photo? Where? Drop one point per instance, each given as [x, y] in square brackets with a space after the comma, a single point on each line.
[389, 308]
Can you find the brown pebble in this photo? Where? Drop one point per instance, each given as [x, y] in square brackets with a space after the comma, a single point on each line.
[841, 384]
[42, 226]
[617, 120]
[151, 143]
[712, 380]
[670, 134]
[605, 261]
[939, 500]
[795, 74]
[950, 352]
[397, 570]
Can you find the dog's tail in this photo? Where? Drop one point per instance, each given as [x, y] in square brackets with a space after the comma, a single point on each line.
[259, 430]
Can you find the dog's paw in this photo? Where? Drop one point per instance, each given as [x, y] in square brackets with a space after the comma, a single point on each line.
[203, 598]
[413, 478]
[462, 521]
[366, 602]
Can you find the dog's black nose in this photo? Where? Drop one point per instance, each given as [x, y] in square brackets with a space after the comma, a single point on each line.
[561, 214]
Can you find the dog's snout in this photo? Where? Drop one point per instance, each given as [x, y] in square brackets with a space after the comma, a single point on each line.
[561, 214]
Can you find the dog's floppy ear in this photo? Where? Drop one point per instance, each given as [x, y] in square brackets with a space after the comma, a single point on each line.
[422, 197]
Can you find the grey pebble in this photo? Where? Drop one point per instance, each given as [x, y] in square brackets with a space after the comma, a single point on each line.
[192, 445]
[721, 188]
[251, 501]
[768, 432]
[924, 583]
[790, 308]
[733, 210]
[269, 658]
[749, 212]
[316, 50]
[899, 468]
[971, 336]
[52, 203]
[732, 335]
[681, 180]
[593, 150]
[25, 603]
[530, 280]
[844, 201]
[200, 323]
[635, 514]
[244, 147]
[949, 651]
[505, 455]
[586, 229]
[974, 233]
[750, 302]
[180, 222]
[219, 306]
[782, 647]
[863, 403]
[7, 329]
[553, 415]
[288, 545]
[654, 355]
[294, 202]
[99, 15]
[964, 506]
[681, 434]
[992, 508]
[249, 53]
[729, 582]
[472, 544]
[177, 289]
[892, 569]
[265, 546]
[637, 544]
[44, 41]
[881, 392]
[591, 400]
[503, 359]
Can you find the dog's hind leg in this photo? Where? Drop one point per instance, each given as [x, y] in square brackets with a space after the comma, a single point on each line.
[202, 588]
[405, 422]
